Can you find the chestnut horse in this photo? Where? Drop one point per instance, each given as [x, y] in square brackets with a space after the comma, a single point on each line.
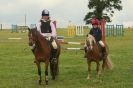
[94, 53]
[43, 53]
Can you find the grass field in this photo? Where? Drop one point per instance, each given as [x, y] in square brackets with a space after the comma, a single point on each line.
[17, 69]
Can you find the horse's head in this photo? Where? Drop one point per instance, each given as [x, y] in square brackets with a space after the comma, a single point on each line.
[32, 36]
[90, 41]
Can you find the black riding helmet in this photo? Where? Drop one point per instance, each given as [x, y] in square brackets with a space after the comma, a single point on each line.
[45, 12]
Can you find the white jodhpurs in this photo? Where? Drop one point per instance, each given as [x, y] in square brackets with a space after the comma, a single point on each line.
[54, 44]
[101, 43]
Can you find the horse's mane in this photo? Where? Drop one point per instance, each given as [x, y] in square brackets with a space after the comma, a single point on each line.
[38, 35]
[90, 37]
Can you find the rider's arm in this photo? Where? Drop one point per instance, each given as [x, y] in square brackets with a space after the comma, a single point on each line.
[53, 29]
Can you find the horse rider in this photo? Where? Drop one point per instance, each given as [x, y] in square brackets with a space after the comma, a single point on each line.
[97, 34]
[47, 29]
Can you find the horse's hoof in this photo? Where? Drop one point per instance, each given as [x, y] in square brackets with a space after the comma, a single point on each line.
[46, 83]
[46, 86]
[40, 81]
[53, 78]
[99, 73]
[88, 78]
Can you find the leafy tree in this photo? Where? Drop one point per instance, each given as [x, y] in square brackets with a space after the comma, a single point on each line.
[102, 9]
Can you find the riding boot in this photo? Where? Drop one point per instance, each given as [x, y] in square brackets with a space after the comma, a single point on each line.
[85, 49]
[54, 54]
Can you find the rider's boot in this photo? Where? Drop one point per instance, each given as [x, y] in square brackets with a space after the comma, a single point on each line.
[54, 54]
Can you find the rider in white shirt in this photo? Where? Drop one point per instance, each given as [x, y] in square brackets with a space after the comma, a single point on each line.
[47, 29]
[46, 26]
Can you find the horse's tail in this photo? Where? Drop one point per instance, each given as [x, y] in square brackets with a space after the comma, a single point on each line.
[58, 57]
[109, 63]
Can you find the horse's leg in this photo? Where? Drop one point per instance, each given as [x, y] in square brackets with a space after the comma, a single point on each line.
[52, 68]
[103, 65]
[57, 65]
[39, 71]
[89, 69]
[46, 71]
[98, 68]
[58, 55]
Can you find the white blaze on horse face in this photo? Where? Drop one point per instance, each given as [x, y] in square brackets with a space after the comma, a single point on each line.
[93, 39]
[89, 39]
[31, 38]
[91, 47]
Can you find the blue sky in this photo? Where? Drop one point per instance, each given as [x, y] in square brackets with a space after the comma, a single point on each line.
[63, 11]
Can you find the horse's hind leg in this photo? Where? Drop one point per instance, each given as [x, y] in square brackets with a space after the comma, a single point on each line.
[103, 65]
[39, 71]
[89, 69]
[98, 69]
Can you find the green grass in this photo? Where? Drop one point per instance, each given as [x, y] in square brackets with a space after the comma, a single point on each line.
[17, 69]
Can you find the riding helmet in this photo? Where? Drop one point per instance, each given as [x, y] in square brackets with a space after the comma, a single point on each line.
[45, 12]
[95, 21]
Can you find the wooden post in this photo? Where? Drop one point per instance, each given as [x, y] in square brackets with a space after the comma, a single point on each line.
[103, 23]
